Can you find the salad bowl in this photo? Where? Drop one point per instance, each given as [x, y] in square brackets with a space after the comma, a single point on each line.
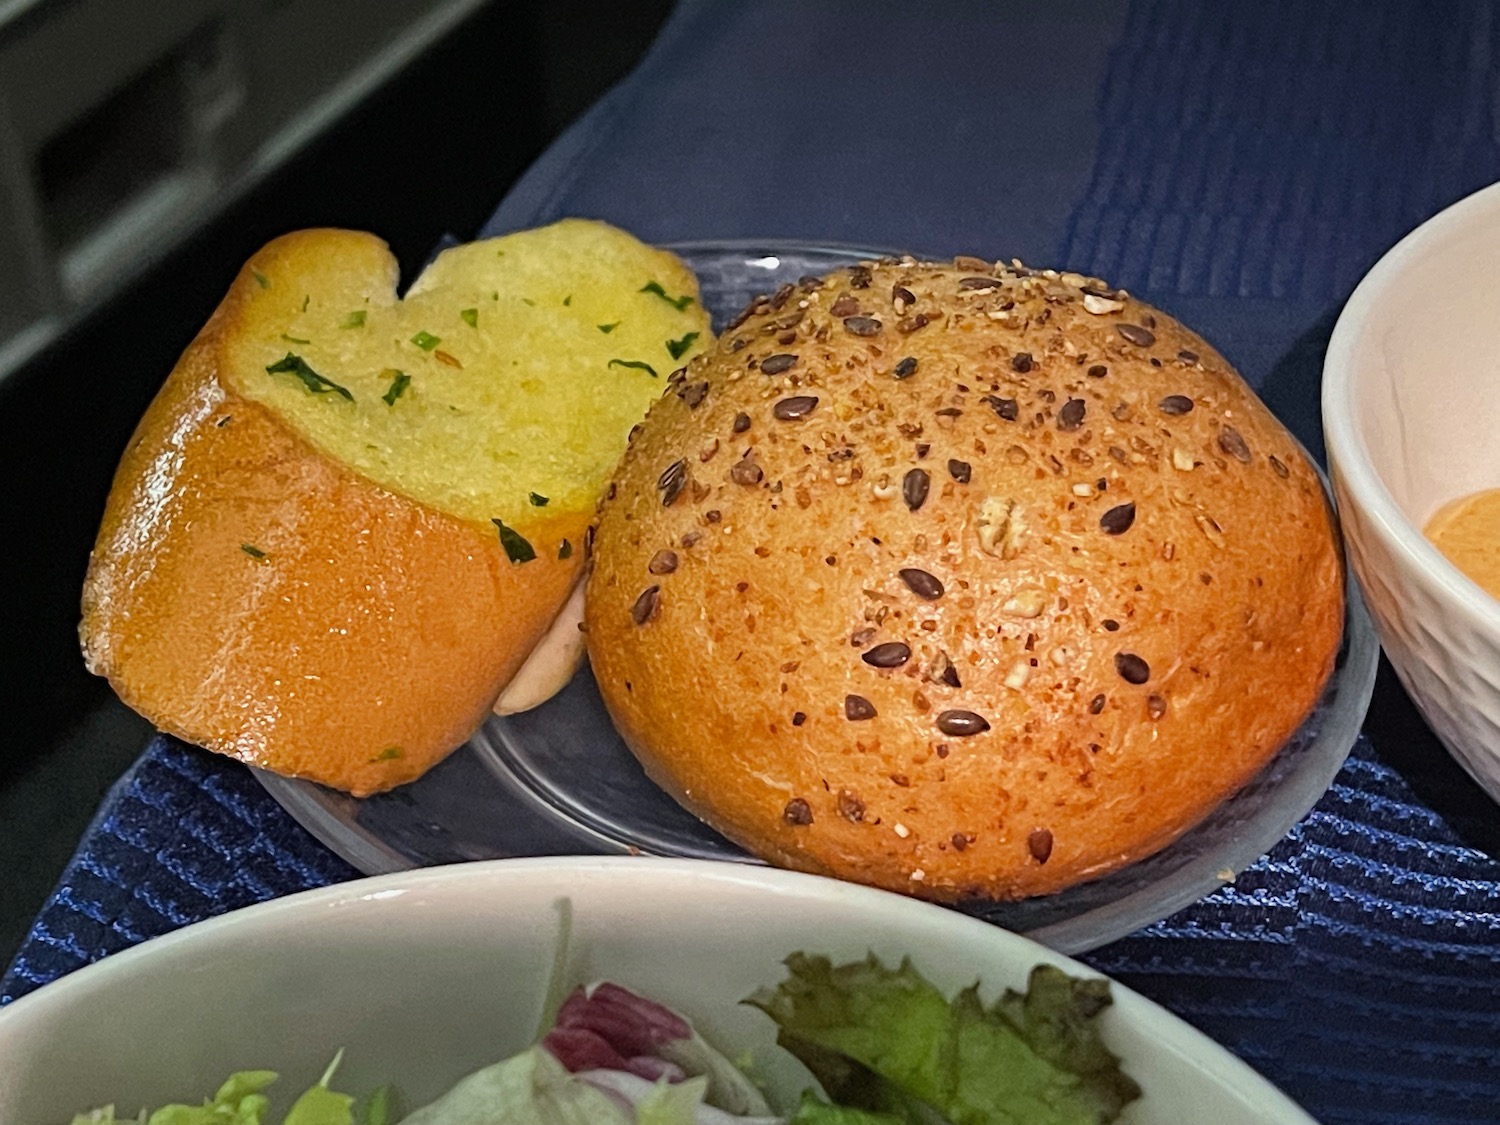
[421, 978]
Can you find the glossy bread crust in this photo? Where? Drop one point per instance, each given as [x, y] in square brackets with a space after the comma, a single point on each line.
[961, 581]
[251, 595]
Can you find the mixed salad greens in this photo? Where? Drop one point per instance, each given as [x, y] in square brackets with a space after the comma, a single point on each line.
[885, 1045]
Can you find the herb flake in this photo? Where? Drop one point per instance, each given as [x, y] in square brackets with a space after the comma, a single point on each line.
[634, 363]
[294, 339]
[608, 328]
[677, 348]
[390, 753]
[261, 279]
[294, 364]
[470, 317]
[426, 341]
[537, 499]
[399, 382]
[252, 550]
[356, 319]
[565, 551]
[678, 303]
[517, 549]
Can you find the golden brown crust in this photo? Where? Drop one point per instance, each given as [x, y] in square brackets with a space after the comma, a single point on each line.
[1039, 409]
[368, 639]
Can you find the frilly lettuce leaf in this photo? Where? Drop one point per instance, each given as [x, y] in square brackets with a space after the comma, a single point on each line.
[531, 1088]
[886, 1040]
[240, 1101]
[813, 1110]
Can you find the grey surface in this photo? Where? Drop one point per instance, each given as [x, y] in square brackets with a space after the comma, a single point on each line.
[126, 125]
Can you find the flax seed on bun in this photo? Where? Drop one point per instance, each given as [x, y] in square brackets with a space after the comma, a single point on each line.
[960, 580]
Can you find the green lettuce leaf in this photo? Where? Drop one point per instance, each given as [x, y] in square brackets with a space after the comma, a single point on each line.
[321, 1105]
[1057, 1014]
[381, 1107]
[238, 1102]
[813, 1110]
[886, 1040]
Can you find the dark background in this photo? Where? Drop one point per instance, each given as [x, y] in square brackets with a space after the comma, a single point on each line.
[429, 154]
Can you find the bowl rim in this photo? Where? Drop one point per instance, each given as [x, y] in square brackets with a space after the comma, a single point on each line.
[1168, 1033]
[1349, 459]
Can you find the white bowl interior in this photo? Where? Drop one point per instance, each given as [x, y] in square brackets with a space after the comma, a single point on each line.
[424, 976]
[1424, 372]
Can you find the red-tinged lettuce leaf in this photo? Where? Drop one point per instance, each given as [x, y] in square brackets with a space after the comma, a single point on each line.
[610, 1028]
[886, 1040]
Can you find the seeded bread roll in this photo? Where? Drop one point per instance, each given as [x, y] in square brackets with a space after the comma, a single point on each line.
[348, 519]
[960, 580]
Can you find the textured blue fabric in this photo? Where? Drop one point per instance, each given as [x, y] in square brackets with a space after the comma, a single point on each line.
[181, 837]
[905, 125]
[1240, 165]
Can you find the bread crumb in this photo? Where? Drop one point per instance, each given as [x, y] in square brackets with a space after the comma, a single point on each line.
[1027, 602]
[1000, 527]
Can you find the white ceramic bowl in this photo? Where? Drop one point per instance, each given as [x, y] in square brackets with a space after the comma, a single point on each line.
[1411, 410]
[424, 976]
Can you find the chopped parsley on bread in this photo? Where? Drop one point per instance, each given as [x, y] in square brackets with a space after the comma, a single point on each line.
[348, 518]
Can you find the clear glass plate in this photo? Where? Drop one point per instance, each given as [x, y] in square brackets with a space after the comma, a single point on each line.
[558, 780]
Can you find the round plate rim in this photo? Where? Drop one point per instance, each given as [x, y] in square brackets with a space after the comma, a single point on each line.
[309, 804]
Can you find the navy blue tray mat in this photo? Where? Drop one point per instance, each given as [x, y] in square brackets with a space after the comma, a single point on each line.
[1248, 164]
